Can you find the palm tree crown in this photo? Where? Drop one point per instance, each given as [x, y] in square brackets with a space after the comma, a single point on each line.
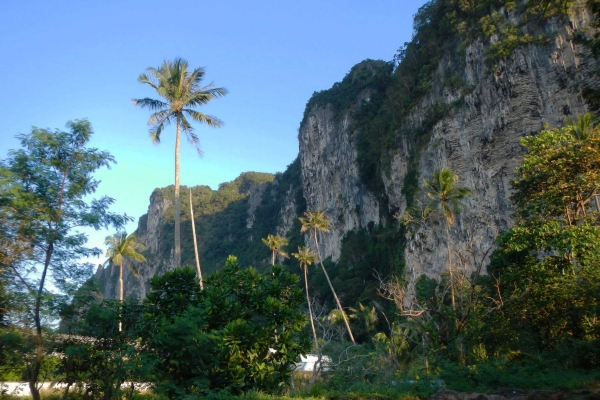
[275, 243]
[181, 90]
[306, 257]
[444, 195]
[446, 198]
[122, 247]
[583, 128]
[314, 222]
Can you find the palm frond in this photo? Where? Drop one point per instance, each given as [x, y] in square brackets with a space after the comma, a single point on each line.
[134, 269]
[143, 78]
[189, 132]
[203, 118]
[314, 220]
[155, 132]
[181, 91]
[197, 75]
[163, 116]
[149, 103]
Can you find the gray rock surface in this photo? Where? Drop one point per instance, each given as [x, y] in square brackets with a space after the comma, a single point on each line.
[479, 139]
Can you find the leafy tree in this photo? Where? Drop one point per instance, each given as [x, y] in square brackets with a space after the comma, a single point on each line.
[121, 248]
[103, 355]
[446, 199]
[546, 271]
[183, 91]
[315, 222]
[242, 332]
[275, 243]
[49, 179]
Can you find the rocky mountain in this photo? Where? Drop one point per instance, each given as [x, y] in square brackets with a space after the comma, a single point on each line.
[459, 97]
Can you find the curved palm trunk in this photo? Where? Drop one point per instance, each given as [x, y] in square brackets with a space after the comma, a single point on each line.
[120, 291]
[312, 322]
[333, 291]
[316, 367]
[177, 260]
[450, 268]
[195, 243]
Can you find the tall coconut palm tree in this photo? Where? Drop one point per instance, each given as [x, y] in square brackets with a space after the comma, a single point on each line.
[315, 222]
[121, 248]
[446, 199]
[275, 243]
[306, 257]
[182, 91]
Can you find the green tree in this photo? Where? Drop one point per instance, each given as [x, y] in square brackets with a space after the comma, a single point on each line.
[223, 337]
[121, 248]
[50, 178]
[546, 271]
[446, 199]
[315, 222]
[275, 243]
[182, 91]
[102, 355]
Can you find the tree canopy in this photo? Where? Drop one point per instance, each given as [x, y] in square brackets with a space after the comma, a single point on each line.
[43, 200]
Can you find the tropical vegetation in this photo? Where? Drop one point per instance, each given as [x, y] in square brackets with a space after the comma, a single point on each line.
[524, 316]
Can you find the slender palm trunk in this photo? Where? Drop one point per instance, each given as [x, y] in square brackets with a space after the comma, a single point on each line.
[177, 261]
[333, 291]
[450, 267]
[273, 258]
[310, 313]
[316, 340]
[195, 243]
[120, 293]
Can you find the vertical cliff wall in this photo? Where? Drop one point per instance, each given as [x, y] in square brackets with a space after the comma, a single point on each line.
[368, 144]
[476, 134]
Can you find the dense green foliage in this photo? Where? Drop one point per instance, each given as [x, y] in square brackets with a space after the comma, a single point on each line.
[547, 267]
[532, 323]
[44, 198]
[241, 332]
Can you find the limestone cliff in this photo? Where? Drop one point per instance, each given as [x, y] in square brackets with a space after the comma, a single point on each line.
[367, 145]
[477, 136]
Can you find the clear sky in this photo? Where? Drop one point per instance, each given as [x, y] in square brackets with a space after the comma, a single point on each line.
[63, 60]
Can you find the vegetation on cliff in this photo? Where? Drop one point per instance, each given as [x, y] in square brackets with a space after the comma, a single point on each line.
[534, 315]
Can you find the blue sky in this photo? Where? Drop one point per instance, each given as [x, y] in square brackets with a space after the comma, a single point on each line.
[64, 60]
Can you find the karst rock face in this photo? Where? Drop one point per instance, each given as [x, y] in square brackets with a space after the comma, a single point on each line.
[330, 177]
[478, 138]
[148, 233]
